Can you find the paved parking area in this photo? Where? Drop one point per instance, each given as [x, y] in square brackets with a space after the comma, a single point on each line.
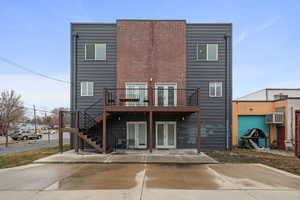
[148, 181]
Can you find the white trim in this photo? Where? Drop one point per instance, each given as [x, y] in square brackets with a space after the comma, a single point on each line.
[87, 88]
[217, 51]
[165, 124]
[136, 83]
[136, 145]
[166, 84]
[215, 89]
[85, 44]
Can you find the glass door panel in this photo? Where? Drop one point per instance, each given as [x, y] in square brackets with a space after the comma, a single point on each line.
[160, 96]
[171, 96]
[166, 95]
[160, 134]
[171, 134]
[131, 135]
[142, 134]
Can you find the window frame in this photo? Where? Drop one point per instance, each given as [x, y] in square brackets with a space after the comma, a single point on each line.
[87, 89]
[206, 47]
[215, 89]
[94, 44]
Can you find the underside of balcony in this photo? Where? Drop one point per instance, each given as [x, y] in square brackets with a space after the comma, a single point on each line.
[182, 109]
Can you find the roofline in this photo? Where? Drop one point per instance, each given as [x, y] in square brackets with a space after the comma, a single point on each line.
[93, 23]
[266, 100]
[150, 20]
[268, 89]
[114, 23]
[282, 88]
[251, 93]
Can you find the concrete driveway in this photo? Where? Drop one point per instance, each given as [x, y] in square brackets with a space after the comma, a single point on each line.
[147, 181]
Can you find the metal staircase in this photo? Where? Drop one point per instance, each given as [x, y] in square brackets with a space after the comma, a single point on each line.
[86, 125]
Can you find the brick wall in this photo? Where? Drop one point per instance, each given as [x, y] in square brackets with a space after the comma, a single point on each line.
[151, 49]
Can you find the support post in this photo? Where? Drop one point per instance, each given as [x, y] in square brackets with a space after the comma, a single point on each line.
[77, 127]
[60, 131]
[104, 97]
[150, 131]
[104, 132]
[198, 134]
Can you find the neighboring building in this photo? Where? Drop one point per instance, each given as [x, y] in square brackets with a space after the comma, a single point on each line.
[271, 110]
[144, 84]
[270, 94]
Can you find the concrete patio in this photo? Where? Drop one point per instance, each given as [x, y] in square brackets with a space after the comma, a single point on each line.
[137, 157]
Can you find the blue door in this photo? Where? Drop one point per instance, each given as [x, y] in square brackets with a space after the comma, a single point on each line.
[248, 122]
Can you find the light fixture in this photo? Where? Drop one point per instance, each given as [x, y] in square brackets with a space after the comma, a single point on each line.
[119, 118]
[182, 118]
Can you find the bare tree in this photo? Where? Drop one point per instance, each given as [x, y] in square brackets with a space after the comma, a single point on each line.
[52, 120]
[11, 111]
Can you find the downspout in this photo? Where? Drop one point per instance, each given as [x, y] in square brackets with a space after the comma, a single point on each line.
[75, 36]
[74, 106]
[227, 93]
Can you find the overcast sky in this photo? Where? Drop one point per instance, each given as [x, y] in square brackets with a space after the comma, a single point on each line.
[35, 34]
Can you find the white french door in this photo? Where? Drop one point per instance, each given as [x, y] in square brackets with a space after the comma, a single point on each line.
[137, 135]
[165, 95]
[136, 93]
[165, 134]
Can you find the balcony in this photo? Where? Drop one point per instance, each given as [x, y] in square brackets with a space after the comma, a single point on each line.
[155, 99]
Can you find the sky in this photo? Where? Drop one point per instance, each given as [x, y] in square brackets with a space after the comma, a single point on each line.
[36, 34]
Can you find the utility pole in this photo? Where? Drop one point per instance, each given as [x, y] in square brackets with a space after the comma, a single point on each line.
[34, 114]
[47, 128]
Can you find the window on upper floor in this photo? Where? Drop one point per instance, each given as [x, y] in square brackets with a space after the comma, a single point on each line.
[95, 51]
[87, 88]
[208, 52]
[215, 89]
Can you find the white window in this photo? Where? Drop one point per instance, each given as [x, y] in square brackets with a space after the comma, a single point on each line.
[95, 51]
[207, 52]
[136, 94]
[215, 89]
[87, 88]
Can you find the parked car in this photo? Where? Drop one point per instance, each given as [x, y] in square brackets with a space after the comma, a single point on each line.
[25, 135]
[49, 132]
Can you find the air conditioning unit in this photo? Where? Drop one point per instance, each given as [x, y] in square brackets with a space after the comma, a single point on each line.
[275, 118]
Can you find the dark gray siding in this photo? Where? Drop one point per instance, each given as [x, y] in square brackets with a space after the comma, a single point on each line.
[199, 73]
[102, 73]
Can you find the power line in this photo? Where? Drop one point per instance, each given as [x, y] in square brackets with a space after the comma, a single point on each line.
[10, 62]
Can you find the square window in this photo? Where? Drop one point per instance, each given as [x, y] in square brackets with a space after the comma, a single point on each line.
[87, 88]
[95, 51]
[212, 52]
[215, 89]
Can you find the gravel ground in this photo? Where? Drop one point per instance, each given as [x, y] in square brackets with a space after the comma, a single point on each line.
[14, 147]
[286, 163]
